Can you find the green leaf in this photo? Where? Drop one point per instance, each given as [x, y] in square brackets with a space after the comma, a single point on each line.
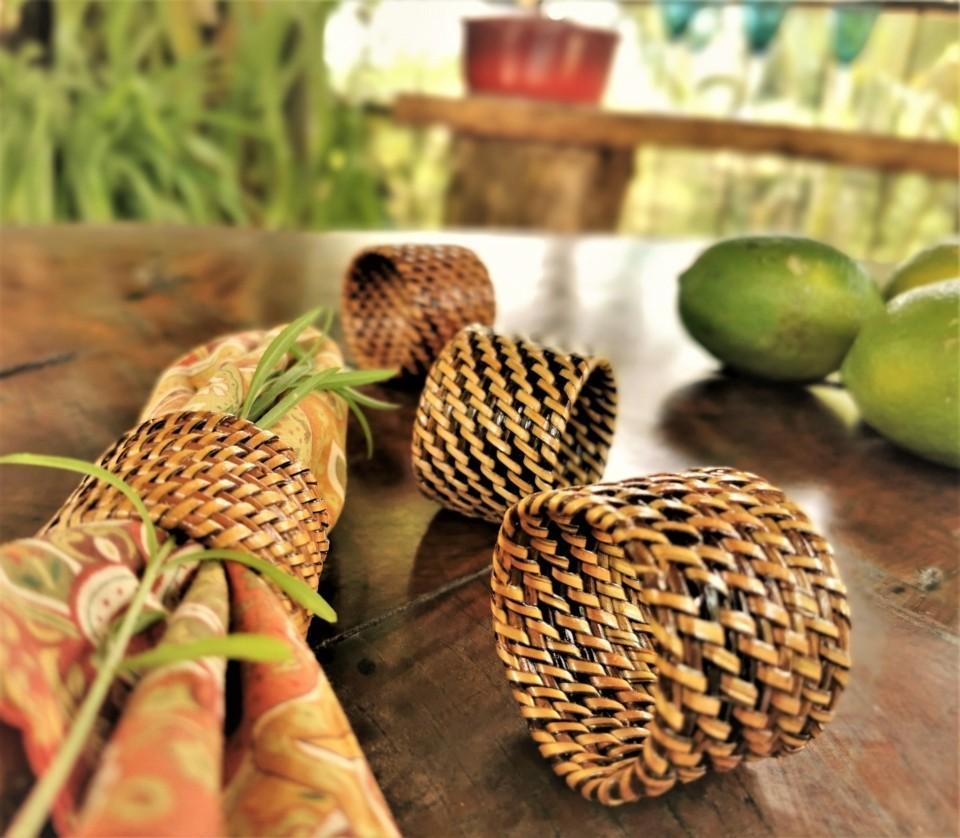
[300, 593]
[193, 197]
[92, 470]
[141, 190]
[182, 31]
[279, 383]
[325, 324]
[144, 621]
[354, 399]
[368, 401]
[358, 378]
[362, 421]
[232, 123]
[338, 382]
[293, 397]
[209, 154]
[260, 648]
[272, 355]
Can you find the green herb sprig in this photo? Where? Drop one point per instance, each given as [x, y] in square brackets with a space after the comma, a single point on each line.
[286, 375]
[238, 646]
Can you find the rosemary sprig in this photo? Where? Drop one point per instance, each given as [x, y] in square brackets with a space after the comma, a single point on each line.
[275, 389]
[341, 382]
[83, 467]
[238, 645]
[36, 808]
[300, 593]
[272, 356]
[278, 383]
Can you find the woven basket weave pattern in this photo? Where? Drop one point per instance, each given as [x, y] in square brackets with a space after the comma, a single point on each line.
[655, 629]
[501, 418]
[218, 480]
[401, 304]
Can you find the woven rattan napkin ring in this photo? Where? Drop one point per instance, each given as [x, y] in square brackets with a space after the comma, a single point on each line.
[500, 418]
[655, 629]
[220, 481]
[401, 304]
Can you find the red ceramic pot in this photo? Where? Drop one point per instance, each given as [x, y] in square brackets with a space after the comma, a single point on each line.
[538, 57]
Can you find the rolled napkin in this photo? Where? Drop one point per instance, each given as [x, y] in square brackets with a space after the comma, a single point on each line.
[159, 770]
[655, 629]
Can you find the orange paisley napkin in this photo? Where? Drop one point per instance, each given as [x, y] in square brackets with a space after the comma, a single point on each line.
[160, 762]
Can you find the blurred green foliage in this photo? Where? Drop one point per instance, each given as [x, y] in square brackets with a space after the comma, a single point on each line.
[182, 111]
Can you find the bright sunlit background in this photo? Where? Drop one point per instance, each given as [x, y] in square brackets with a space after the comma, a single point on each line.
[277, 114]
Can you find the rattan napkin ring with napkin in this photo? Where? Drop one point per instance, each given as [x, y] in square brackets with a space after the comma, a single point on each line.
[501, 418]
[221, 481]
[402, 303]
[655, 629]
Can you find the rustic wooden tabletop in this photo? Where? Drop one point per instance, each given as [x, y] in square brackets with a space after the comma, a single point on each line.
[89, 316]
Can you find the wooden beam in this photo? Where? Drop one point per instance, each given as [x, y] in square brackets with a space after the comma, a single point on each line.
[522, 119]
[938, 6]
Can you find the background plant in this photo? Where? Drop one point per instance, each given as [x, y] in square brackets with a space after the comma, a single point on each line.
[181, 111]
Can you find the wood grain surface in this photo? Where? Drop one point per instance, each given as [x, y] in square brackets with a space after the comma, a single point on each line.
[528, 120]
[89, 317]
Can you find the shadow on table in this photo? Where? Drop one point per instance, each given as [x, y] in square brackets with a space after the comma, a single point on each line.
[321, 631]
[452, 548]
[729, 803]
[790, 433]
[783, 432]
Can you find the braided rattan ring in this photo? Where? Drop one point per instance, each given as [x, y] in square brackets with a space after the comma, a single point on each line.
[658, 628]
[401, 304]
[221, 481]
[501, 418]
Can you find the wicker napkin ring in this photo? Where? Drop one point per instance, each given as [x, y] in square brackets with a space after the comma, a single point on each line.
[402, 304]
[658, 628]
[218, 480]
[500, 418]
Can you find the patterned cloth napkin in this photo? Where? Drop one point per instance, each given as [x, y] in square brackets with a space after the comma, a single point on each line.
[161, 761]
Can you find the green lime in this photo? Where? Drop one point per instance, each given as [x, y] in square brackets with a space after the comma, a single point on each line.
[776, 307]
[936, 263]
[904, 371]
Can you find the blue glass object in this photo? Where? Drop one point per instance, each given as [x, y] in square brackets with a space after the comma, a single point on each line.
[761, 22]
[703, 27]
[851, 31]
[677, 15]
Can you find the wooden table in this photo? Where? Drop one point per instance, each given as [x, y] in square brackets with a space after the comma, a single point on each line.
[91, 315]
